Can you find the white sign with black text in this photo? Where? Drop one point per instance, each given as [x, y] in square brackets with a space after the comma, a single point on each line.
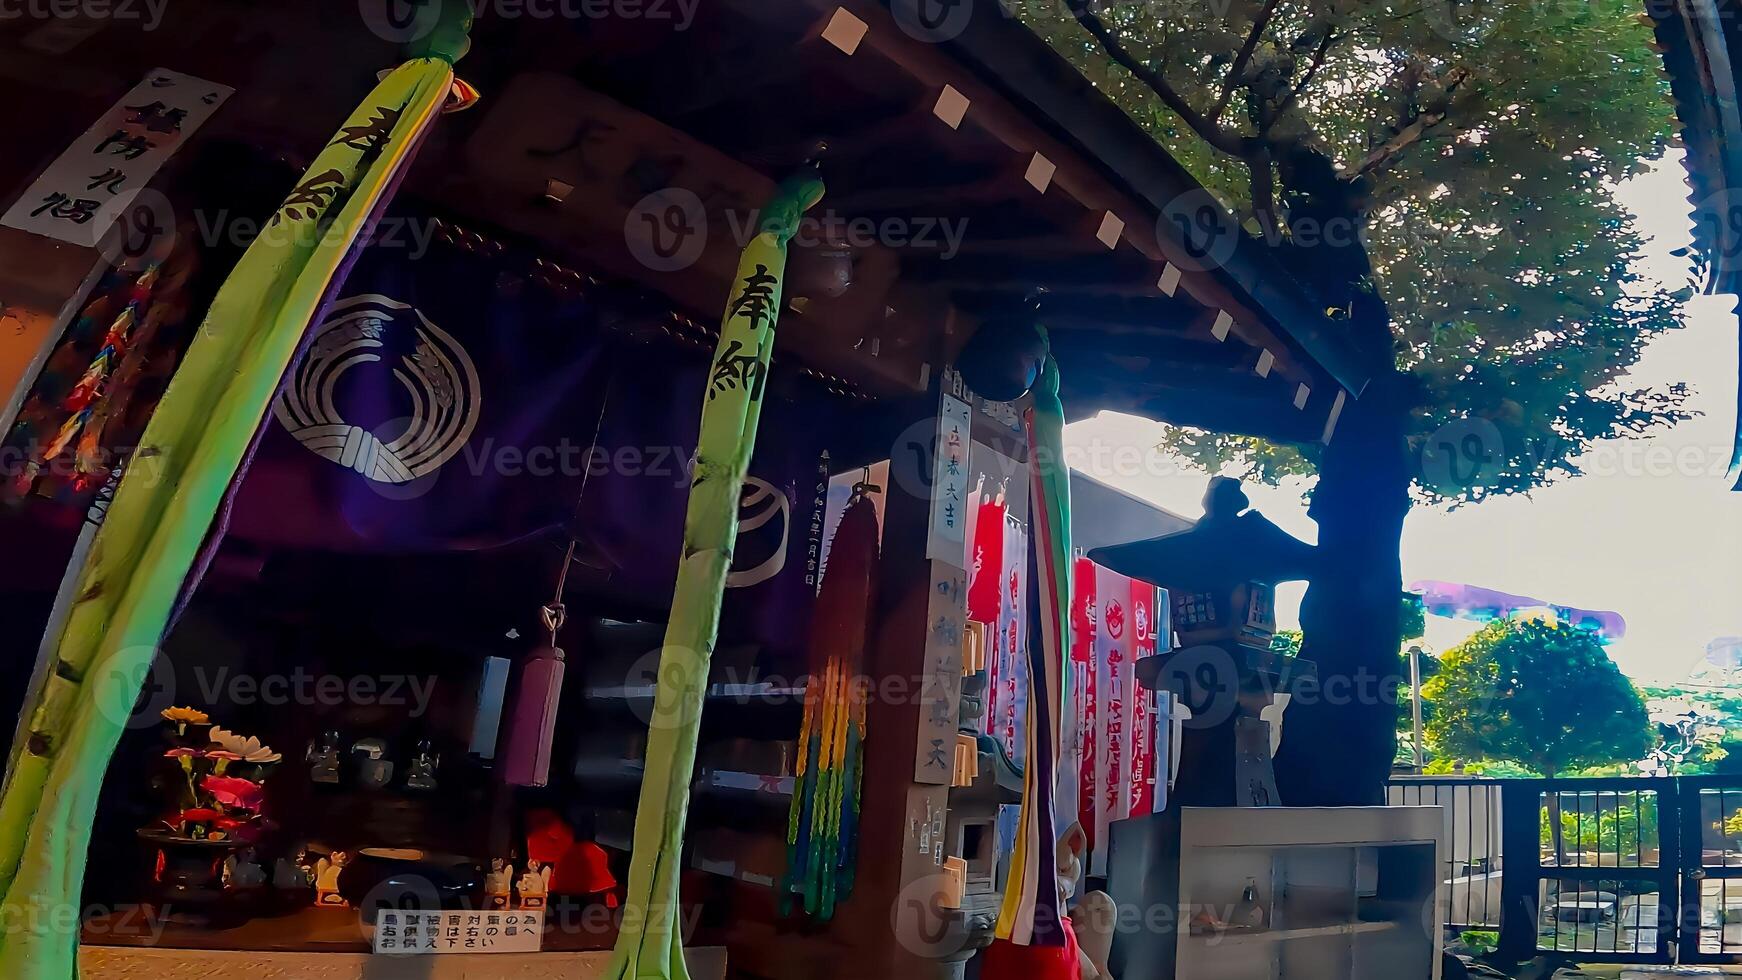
[89, 186]
[415, 933]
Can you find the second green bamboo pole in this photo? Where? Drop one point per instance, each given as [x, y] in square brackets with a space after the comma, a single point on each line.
[650, 943]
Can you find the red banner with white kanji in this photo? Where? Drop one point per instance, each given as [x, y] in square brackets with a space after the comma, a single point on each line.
[1110, 766]
[997, 596]
[1116, 758]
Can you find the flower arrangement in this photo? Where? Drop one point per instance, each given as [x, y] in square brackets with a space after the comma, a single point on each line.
[217, 791]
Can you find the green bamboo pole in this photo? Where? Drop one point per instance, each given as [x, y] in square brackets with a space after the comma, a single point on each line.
[650, 944]
[164, 508]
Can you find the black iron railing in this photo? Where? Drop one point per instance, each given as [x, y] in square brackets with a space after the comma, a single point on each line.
[1597, 870]
[1711, 828]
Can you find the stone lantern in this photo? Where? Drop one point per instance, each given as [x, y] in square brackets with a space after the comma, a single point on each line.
[1221, 577]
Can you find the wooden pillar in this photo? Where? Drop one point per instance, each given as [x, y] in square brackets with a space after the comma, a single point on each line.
[889, 926]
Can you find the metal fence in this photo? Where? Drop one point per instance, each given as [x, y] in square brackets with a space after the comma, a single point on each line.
[1711, 829]
[1614, 870]
[1475, 854]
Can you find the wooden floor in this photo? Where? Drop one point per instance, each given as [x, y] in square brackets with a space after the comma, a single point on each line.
[324, 930]
[148, 963]
[333, 944]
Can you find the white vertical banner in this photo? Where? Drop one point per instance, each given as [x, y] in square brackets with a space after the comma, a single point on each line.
[1163, 627]
[950, 515]
[1169, 717]
[941, 687]
[1064, 804]
[92, 182]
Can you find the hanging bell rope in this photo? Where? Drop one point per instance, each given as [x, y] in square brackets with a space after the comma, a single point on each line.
[650, 943]
[161, 515]
[1031, 912]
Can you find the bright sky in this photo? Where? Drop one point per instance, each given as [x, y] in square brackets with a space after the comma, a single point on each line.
[1656, 540]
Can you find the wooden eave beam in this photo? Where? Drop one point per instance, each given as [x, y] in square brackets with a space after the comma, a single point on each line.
[1079, 179]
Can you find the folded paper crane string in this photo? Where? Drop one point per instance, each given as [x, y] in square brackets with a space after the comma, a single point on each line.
[824, 818]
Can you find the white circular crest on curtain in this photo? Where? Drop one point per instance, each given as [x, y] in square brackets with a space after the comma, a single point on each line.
[437, 374]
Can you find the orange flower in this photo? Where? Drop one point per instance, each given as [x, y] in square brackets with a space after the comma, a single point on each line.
[181, 717]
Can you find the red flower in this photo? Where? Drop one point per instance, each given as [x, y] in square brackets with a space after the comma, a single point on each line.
[197, 815]
[233, 791]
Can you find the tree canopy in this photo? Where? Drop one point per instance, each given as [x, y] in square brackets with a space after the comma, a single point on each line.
[1545, 697]
[1696, 729]
[1476, 147]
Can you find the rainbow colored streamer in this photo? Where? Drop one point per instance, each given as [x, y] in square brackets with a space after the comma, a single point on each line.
[1032, 906]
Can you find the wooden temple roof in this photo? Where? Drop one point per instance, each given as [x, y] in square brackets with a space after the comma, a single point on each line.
[1053, 188]
[1701, 43]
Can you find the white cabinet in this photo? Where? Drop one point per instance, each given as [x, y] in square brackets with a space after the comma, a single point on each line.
[1349, 892]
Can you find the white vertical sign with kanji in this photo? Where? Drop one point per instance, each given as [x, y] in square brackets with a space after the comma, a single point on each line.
[90, 185]
[947, 603]
[941, 685]
[948, 540]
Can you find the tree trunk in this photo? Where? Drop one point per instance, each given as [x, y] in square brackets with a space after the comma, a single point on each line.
[1341, 739]
[1557, 833]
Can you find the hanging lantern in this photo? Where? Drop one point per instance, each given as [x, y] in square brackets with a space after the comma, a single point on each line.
[1004, 357]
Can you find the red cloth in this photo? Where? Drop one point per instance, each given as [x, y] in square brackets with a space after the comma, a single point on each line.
[577, 867]
[986, 564]
[1004, 960]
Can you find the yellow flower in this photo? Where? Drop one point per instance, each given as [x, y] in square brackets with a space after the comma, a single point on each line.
[185, 716]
